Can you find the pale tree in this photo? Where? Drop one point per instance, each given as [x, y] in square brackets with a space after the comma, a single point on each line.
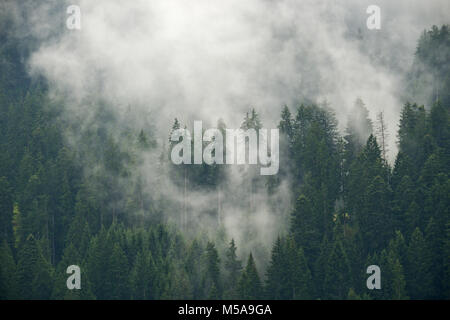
[382, 134]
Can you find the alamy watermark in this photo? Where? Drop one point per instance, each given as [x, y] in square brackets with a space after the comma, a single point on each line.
[74, 280]
[374, 20]
[241, 147]
[73, 22]
[374, 281]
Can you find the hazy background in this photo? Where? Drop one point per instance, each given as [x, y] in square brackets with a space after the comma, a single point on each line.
[209, 59]
[152, 61]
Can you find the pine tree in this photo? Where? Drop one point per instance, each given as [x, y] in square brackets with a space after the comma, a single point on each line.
[250, 287]
[411, 132]
[98, 258]
[60, 291]
[212, 271]
[446, 264]
[337, 273]
[79, 235]
[375, 220]
[404, 196]
[6, 212]
[361, 176]
[286, 125]
[299, 278]
[435, 245]
[193, 269]
[304, 227]
[233, 268]
[393, 282]
[117, 281]
[34, 274]
[439, 120]
[141, 276]
[412, 217]
[180, 287]
[359, 128]
[419, 267]
[321, 268]
[398, 246]
[8, 276]
[276, 277]
[398, 281]
[402, 167]
[43, 282]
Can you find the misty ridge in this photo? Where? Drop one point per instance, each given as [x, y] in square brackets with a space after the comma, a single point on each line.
[89, 178]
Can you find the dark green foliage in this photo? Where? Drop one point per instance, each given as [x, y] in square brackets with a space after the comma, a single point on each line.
[429, 78]
[34, 273]
[305, 227]
[233, 268]
[288, 275]
[211, 280]
[419, 267]
[8, 273]
[142, 276]
[337, 273]
[6, 212]
[350, 209]
[250, 287]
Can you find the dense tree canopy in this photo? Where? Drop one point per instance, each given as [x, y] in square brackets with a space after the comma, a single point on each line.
[350, 208]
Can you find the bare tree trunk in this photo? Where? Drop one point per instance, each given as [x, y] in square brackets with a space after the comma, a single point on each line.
[218, 205]
[382, 134]
[53, 238]
[250, 171]
[184, 199]
[436, 89]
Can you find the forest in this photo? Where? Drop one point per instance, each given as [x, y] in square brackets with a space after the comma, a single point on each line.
[350, 206]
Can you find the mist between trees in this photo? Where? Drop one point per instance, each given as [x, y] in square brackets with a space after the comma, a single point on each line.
[88, 180]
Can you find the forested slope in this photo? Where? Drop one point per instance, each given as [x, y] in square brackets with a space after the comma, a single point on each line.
[351, 209]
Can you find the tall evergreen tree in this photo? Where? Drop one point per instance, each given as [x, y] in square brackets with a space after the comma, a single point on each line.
[250, 286]
[34, 273]
[212, 275]
[233, 268]
[419, 276]
[8, 275]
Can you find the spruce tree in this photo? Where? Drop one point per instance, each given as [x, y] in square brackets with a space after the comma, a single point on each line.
[250, 287]
[418, 269]
[233, 268]
[8, 275]
[275, 274]
[212, 271]
[34, 274]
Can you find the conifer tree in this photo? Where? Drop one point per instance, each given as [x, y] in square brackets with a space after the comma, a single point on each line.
[375, 222]
[117, 280]
[299, 279]
[419, 267]
[233, 268]
[250, 286]
[8, 275]
[34, 274]
[212, 271]
[6, 212]
[276, 276]
[337, 273]
[304, 227]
